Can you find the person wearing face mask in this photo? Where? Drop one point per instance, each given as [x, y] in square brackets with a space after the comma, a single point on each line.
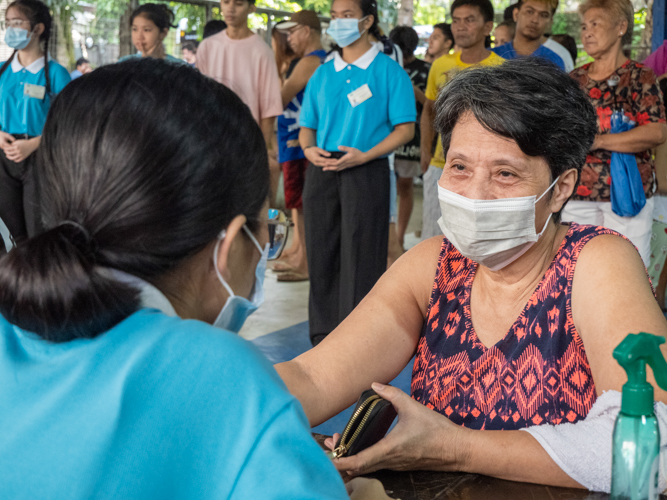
[513, 316]
[114, 375]
[150, 25]
[357, 109]
[29, 80]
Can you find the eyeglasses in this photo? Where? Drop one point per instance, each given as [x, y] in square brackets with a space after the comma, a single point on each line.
[12, 23]
[278, 232]
[295, 29]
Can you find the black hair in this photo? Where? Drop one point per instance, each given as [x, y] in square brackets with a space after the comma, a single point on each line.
[214, 26]
[530, 101]
[370, 8]
[142, 164]
[406, 38]
[446, 29]
[190, 45]
[485, 7]
[508, 14]
[37, 12]
[81, 60]
[569, 43]
[158, 13]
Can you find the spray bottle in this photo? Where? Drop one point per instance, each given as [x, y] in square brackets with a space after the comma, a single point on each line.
[636, 445]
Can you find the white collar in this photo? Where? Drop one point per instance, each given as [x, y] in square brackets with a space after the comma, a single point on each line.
[35, 67]
[150, 296]
[363, 62]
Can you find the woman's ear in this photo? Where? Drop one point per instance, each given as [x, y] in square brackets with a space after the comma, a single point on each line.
[39, 29]
[231, 233]
[368, 22]
[623, 27]
[563, 189]
[163, 34]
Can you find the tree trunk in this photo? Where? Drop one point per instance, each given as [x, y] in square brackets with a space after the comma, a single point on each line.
[63, 50]
[405, 13]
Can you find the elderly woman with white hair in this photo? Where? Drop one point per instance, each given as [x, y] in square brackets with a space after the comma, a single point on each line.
[613, 82]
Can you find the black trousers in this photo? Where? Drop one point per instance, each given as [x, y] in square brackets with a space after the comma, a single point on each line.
[19, 206]
[346, 217]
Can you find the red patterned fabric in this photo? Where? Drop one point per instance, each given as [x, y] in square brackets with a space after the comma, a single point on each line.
[538, 373]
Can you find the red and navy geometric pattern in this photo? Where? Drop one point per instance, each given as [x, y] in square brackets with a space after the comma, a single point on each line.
[538, 373]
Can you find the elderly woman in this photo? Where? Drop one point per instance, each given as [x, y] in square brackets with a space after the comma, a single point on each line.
[513, 316]
[614, 82]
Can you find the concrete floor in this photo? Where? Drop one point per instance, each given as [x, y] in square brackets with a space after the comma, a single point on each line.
[286, 304]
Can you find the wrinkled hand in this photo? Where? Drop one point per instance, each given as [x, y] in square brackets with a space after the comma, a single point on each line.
[422, 440]
[426, 158]
[365, 489]
[19, 150]
[351, 158]
[6, 140]
[319, 157]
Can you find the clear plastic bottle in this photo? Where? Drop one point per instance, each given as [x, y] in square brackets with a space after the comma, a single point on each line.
[636, 441]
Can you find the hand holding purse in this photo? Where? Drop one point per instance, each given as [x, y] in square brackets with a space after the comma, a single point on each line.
[370, 421]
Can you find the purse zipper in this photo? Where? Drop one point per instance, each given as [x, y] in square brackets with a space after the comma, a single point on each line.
[344, 446]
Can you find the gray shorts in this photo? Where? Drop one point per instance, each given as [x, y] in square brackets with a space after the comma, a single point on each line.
[407, 168]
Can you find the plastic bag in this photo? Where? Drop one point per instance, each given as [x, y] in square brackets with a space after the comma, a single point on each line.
[627, 189]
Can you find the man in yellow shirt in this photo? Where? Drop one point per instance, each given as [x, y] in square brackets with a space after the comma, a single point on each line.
[472, 22]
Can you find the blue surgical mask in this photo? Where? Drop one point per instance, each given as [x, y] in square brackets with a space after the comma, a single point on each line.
[237, 308]
[17, 38]
[345, 31]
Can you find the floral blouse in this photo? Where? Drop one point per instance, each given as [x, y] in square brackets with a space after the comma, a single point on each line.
[639, 95]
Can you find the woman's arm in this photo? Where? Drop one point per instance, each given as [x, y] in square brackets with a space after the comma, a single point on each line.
[638, 139]
[419, 95]
[402, 134]
[374, 343]
[427, 133]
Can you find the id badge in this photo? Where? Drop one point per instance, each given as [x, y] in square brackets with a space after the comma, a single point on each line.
[362, 94]
[36, 91]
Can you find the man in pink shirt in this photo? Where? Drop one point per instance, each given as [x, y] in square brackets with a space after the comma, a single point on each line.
[242, 61]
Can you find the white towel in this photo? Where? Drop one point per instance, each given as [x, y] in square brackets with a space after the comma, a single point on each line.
[583, 450]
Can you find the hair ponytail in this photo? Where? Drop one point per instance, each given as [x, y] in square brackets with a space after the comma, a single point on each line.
[50, 285]
[8, 62]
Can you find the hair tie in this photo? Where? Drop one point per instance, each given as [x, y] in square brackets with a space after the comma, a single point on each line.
[79, 237]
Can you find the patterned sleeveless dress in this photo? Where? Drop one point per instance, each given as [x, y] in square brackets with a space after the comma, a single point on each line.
[538, 373]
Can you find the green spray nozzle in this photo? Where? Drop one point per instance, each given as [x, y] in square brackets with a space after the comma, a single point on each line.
[632, 354]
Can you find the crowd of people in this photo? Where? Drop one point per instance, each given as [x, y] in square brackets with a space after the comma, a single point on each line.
[133, 208]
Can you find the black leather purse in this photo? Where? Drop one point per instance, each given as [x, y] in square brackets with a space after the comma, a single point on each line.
[369, 423]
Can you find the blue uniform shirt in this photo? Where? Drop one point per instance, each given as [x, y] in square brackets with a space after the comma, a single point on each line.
[288, 123]
[507, 51]
[167, 57]
[327, 108]
[20, 113]
[157, 407]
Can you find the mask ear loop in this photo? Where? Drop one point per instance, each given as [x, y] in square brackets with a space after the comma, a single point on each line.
[548, 218]
[254, 240]
[221, 237]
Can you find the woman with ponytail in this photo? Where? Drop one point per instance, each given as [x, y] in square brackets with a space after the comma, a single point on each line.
[114, 380]
[29, 80]
[150, 25]
[358, 108]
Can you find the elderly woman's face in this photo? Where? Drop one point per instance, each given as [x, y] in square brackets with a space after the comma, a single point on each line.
[481, 165]
[599, 32]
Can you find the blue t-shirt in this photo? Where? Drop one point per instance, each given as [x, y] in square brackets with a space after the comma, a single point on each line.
[167, 57]
[288, 123]
[507, 51]
[19, 112]
[157, 407]
[327, 108]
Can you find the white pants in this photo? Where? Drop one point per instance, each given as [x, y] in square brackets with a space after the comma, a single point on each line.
[431, 212]
[598, 213]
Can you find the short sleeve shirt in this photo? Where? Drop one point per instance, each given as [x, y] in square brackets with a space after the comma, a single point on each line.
[507, 52]
[156, 407]
[639, 96]
[247, 67]
[442, 71]
[328, 108]
[417, 70]
[19, 112]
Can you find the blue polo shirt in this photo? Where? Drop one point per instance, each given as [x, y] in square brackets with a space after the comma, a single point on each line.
[157, 407]
[507, 51]
[20, 113]
[327, 109]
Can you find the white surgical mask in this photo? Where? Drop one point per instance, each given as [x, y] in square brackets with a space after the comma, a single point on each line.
[493, 233]
[237, 308]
